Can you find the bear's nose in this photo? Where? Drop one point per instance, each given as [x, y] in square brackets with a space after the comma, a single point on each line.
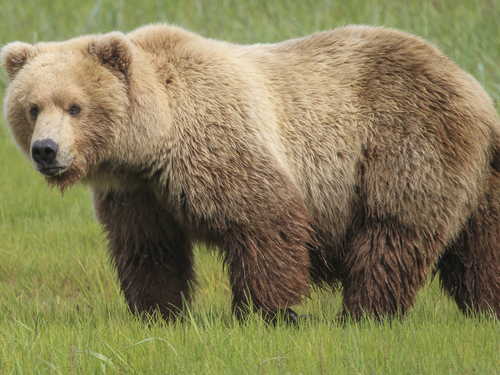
[44, 151]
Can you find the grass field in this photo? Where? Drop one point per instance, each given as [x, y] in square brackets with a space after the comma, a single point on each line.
[61, 310]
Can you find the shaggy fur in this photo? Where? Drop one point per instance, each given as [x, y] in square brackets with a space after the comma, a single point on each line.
[359, 156]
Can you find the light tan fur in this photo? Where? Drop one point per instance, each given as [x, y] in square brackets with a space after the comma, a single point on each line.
[334, 133]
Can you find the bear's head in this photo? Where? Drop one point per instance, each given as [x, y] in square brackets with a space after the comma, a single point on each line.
[67, 101]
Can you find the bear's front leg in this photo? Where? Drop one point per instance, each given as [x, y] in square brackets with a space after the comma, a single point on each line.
[239, 196]
[269, 264]
[153, 257]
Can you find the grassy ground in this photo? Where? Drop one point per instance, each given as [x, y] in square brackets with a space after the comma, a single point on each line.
[61, 310]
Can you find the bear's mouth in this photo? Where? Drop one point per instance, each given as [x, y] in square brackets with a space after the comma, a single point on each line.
[52, 171]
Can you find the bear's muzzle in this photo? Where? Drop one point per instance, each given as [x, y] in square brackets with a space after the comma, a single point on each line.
[44, 153]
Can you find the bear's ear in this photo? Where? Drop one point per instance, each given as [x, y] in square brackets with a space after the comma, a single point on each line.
[14, 56]
[114, 50]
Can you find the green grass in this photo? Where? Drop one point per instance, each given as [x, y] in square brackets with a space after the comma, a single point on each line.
[61, 310]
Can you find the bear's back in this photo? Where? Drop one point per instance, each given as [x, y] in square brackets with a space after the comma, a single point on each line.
[354, 112]
[384, 115]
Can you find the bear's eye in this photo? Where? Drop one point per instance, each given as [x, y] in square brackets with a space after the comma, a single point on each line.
[75, 109]
[34, 112]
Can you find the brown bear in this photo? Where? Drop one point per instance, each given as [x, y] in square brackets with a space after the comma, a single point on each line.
[360, 156]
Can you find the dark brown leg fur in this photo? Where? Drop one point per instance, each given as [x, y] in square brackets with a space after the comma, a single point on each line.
[386, 264]
[470, 269]
[152, 255]
[271, 266]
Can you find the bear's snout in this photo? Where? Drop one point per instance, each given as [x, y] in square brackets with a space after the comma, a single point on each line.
[44, 153]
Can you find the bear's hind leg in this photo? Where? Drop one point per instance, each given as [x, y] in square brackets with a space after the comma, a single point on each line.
[470, 269]
[386, 265]
[152, 255]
